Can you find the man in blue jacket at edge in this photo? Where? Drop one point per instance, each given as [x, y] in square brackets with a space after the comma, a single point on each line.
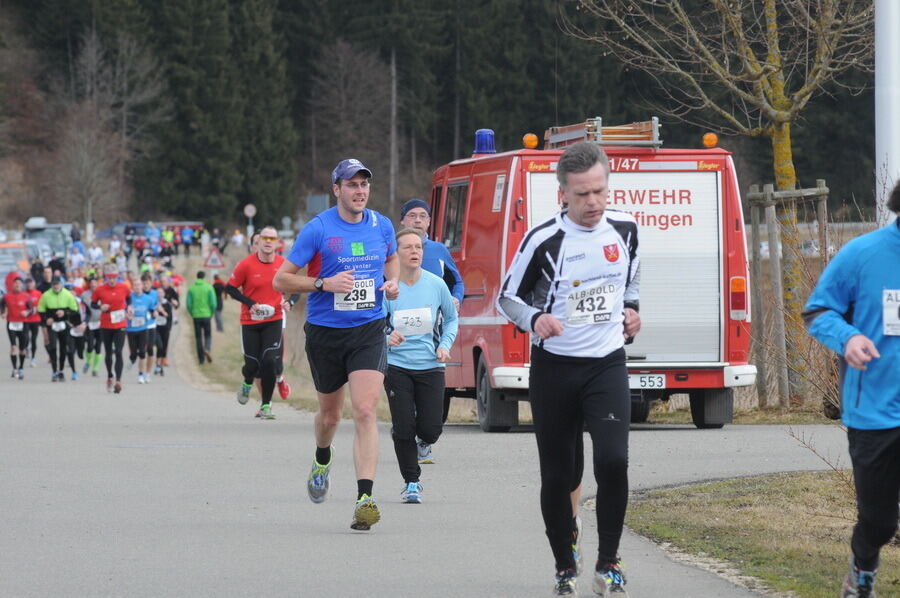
[855, 311]
[416, 214]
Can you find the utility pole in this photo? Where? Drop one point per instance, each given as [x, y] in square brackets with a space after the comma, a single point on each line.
[887, 98]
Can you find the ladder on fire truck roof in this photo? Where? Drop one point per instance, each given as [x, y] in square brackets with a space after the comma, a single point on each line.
[642, 134]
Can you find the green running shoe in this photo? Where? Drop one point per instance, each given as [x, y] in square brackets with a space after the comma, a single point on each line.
[366, 514]
[266, 412]
[243, 393]
[317, 482]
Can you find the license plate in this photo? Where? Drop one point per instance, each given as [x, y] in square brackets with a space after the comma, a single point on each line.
[646, 381]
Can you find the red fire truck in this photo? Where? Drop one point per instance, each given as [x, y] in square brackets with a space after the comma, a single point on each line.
[695, 311]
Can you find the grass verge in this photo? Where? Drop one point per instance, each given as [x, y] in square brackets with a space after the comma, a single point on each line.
[791, 531]
[660, 414]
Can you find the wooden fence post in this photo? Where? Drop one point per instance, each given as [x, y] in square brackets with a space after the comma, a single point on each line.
[773, 229]
[822, 219]
[758, 313]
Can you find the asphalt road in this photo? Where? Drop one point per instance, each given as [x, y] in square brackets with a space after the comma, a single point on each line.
[169, 491]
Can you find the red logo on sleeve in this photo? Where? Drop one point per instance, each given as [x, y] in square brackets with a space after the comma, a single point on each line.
[611, 252]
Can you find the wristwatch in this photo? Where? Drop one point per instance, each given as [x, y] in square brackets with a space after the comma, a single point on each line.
[319, 284]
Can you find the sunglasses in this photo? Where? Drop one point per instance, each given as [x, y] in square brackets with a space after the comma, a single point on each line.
[262, 238]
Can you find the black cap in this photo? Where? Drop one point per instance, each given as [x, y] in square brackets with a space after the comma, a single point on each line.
[56, 280]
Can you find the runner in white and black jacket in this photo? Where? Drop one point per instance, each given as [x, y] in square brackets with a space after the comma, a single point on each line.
[574, 285]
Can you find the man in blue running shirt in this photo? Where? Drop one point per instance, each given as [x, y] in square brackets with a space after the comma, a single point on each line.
[416, 214]
[855, 311]
[350, 257]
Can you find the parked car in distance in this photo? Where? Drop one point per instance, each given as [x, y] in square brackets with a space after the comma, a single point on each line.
[40, 249]
[13, 257]
[810, 248]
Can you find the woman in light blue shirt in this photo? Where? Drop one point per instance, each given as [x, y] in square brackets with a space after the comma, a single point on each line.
[421, 327]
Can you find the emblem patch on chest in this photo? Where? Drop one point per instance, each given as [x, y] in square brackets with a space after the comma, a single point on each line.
[611, 252]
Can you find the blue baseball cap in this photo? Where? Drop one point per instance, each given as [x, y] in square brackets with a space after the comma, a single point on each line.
[347, 169]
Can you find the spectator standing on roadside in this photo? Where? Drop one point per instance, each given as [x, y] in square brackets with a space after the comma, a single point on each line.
[187, 238]
[855, 311]
[219, 287]
[201, 304]
[237, 239]
[95, 253]
[76, 258]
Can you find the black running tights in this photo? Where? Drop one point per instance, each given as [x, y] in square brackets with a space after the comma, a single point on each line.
[261, 346]
[566, 393]
[876, 471]
[113, 343]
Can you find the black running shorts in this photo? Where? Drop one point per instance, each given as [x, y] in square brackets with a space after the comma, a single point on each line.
[335, 352]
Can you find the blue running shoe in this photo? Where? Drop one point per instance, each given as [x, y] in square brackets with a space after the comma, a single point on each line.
[243, 393]
[412, 493]
[74, 376]
[566, 583]
[609, 580]
[317, 482]
[858, 584]
[366, 514]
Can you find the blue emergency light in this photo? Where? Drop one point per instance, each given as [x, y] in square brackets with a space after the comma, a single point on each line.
[484, 141]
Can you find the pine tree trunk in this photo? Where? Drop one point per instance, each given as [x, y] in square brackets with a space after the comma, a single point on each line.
[392, 195]
[791, 271]
[456, 89]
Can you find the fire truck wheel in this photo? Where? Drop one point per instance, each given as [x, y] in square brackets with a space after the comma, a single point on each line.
[711, 408]
[640, 407]
[494, 414]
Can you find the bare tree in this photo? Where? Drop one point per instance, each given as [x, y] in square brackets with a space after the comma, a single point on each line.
[140, 99]
[748, 67]
[350, 105]
[126, 88]
[86, 164]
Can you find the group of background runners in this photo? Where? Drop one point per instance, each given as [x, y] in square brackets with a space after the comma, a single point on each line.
[86, 317]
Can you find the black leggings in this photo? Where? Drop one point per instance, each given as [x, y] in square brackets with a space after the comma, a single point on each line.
[162, 341]
[876, 471]
[261, 346]
[137, 344]
[34, 329]
[75, 347]
[202, 338]
[566, 393]
[113, 343]
[416, 399]
[58, 348]
[151, 341]
[18, 338]
[94, 342]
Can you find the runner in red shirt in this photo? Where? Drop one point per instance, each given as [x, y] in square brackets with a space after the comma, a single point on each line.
[17, 305]
[33, 322]
[112, 298]
[261, 318]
